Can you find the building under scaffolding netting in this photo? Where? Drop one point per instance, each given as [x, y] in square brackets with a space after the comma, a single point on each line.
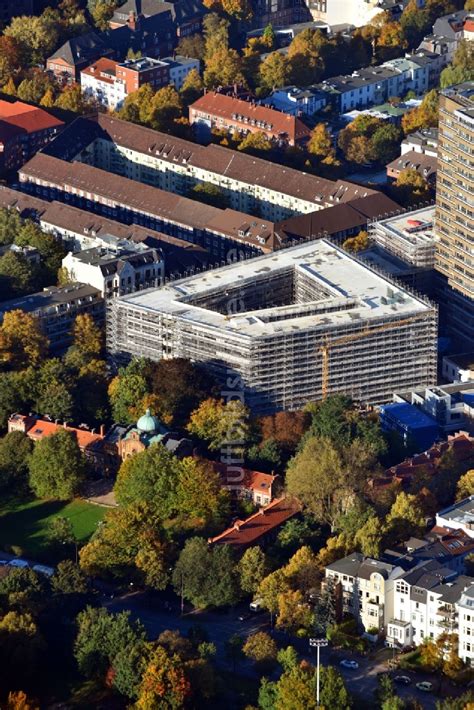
[295, 326]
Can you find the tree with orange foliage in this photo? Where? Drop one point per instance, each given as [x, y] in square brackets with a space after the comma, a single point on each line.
[19, 701]
[287, 428]
[164, 682]
[21, 342]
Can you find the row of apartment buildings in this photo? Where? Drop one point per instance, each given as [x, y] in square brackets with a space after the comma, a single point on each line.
[251, 185]
[416, 592]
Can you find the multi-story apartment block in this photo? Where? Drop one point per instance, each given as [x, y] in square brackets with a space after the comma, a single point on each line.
[459, 516]
[179, 68]
[225, 113]
[56, 309]
[295, 101]
[24, 130]
[251, 185]
[423, 141]
[340, 12]
[293, 326]
[424, 604]
[116, 272]
[367, 589]
[454, 224]
[409, 236]
[110, 82]
[186, 15]
[228, 234]
[465, 628]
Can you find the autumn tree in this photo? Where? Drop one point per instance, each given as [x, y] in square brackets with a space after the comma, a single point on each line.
[102, 640]
[221, 423]
[21, 649]
[18, 700]
[253, 567]
[210, 194]
[57, 466]
[358, 243]
[164, 683]
[464, 489]
[274, 72]
[87, 336]
[411, 188]
[255, 143]
[325, 478]
[405, 518]
[239, 9]
[206, 576]
[306, 57]
[462, 67]
[296, 688]
[320, 143]
[72, 99]
[15, 449]
[178, 386]
[102, 13]
[370, 537]
[152, 476]
[199, 493]
[261, 649]
[192, 88]
[36, 35]
[16, 275]
[129, 544]
[21, 340]
[294, 612]
[424, 116]
[11, 58]
[126, 392]
[334, 693]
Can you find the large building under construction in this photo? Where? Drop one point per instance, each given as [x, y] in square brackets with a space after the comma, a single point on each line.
[287, 328]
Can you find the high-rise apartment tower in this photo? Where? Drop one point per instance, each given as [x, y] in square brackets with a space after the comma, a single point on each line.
[455, 212]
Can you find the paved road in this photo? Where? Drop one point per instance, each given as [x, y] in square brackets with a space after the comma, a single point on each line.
[220, 626]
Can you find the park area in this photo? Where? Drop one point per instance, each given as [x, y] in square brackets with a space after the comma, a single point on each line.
[24, 525]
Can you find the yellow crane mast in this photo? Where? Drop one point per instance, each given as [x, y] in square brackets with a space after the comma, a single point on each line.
[328, 344]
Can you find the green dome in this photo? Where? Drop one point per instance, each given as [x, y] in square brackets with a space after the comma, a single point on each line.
[147, 424]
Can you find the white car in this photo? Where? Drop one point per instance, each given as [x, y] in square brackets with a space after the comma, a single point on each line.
[346, 663]
[425, 686]
[43, 569]
[17, 562]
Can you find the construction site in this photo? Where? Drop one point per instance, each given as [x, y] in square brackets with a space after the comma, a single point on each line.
[292, 327]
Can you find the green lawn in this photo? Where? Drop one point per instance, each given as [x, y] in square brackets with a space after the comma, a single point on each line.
[23, 524]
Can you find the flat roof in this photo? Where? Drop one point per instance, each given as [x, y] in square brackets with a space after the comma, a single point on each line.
[416, 228]
[409, 414]
[351, 293]
[462, 512]
[50, 297]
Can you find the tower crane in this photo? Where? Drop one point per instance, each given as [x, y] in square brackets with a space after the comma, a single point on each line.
[328, 344]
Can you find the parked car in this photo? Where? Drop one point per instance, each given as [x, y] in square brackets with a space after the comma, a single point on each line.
[346, 663]
[425, 686]
[402, 679]
[18, 562]
[43, 569]
[256, 605]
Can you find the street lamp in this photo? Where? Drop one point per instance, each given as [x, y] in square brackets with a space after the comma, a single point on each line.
[317, 644]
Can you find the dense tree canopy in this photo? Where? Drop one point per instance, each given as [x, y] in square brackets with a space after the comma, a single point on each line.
[57, 466]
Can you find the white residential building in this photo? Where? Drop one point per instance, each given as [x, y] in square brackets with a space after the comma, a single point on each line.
[341, 12]
[459, 516]
[465, 630]
[116, 272]
[100, 83]
[367, 588]
[179, 68]
[293, 100]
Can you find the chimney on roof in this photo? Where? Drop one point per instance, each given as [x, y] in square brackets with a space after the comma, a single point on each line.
[237, 525]
[65, 425]
[262, 511]
[102, 430]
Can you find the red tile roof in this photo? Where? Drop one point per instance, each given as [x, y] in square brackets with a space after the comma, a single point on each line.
[248, 479]
[29, 119]
[37, 429]
[462, 445]
[244, 533]
[277, 123]
[103, 70]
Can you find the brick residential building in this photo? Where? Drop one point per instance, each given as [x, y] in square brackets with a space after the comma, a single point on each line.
[218, 111]
[37, 428]
[24, 129]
